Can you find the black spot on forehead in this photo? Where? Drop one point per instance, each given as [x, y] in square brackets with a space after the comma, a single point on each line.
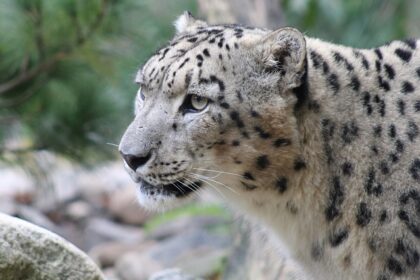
[378, 66]
[316, 59]
[407, 87]
[383, 84]
[355, 83]
[339, 58]
[165, 51]
[215, 79]
[389, 71]
[333, 82]
[361, 56]
[411, 43]
[378, 54]
[192, 39]
[404, 55]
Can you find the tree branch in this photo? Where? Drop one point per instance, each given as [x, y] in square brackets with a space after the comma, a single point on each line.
[20, 98]
[38, 22]
[29, 74]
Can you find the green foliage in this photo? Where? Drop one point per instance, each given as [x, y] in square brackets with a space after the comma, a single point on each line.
[359, 23]
[187, 211]
[66, 69]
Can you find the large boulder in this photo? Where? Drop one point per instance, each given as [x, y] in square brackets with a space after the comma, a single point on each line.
[30, 252]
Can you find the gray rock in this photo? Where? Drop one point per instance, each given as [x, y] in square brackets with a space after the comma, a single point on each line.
[181, 224]
[123, 206]
[106, 254]
[110, 274]
[15, 181]
[36, 217]
[196, 252]
[170, 251]
[135, 266]
[100, 230]
[8, 206]
[97, 185]
[29, 252]
[78, 210]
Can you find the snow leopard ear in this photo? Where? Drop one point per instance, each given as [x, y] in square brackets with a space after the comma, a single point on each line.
[187, 22]
[284, 52]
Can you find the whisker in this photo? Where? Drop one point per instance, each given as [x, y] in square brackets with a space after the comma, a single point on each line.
[178, 188]
[192, 183]
[191, 188]
[215, 188]
[216, 182]
[221, 172]
[185, 185]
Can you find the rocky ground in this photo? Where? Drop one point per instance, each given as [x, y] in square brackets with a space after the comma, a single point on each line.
[96, 210]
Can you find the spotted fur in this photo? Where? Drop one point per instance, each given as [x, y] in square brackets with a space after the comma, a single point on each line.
[317, 142]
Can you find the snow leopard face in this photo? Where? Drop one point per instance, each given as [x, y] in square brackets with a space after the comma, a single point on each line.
[215, 110]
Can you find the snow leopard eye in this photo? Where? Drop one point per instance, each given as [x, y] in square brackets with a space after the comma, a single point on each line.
[194, 103]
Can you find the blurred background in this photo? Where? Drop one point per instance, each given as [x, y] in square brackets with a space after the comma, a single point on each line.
[66, 92]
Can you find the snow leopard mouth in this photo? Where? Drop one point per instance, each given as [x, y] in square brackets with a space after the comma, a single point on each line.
[178, 189]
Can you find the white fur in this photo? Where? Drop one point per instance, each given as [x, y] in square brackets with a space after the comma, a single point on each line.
[296, 216]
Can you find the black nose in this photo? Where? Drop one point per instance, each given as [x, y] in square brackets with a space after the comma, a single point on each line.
[135, 161]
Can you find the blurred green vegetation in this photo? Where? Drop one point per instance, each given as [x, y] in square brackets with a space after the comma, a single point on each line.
[66, 70]
[189, 210]
[66, 67]
[357, 23]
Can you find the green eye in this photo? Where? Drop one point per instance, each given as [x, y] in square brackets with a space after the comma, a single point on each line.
[194, 103]
[199, 103]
